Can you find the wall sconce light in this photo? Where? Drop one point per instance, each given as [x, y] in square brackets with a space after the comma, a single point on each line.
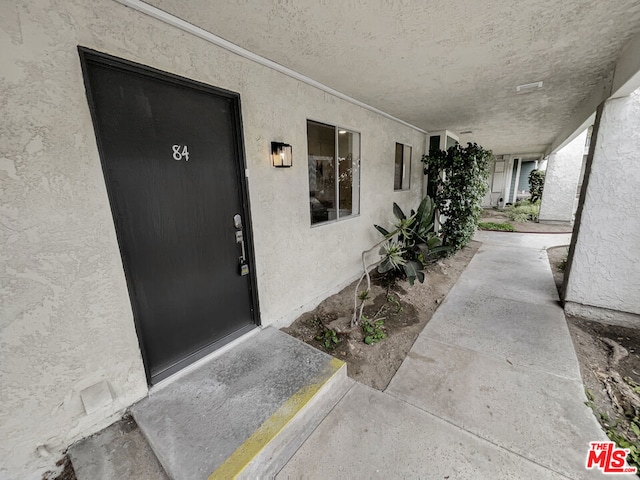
[281, 155]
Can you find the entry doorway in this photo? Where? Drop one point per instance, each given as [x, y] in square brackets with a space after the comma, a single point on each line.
[173, 160]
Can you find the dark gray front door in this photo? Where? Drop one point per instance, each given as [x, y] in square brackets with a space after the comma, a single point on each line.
[172, 157]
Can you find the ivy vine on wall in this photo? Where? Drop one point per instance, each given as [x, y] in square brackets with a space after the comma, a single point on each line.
[458, 179]
[536, 184]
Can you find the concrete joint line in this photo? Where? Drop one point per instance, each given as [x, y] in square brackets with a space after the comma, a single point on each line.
[449, 422]
[495, 357]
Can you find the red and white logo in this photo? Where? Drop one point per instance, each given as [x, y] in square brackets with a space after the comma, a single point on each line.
[608, 458]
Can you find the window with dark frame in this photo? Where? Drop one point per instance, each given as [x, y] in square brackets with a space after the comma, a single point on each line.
[402, 176]
[334, 172]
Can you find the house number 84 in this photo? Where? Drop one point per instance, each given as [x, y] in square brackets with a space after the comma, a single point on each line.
[180, 152]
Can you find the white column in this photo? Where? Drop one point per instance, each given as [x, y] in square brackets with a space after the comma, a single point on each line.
[561, 182]
[603, 280]
[514, 194]
[506, 190]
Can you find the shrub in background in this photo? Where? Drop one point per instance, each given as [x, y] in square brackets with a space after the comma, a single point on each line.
[496, 227]
[459, 192]
[536, 184]
[525, 211]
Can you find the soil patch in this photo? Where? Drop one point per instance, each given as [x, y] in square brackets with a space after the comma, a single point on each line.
[499, 216]
[404, 309]
[557, 260]
[609, 358]
[628, 338]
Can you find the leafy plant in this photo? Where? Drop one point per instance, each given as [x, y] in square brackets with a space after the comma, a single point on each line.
[520, 217]
[328, 338]
[523, 212]
[562, 264]
[392, 253]
[404, 250]
[634, 386]
[459, 175]
[373, 330]
[410, 242]
[500, 227]
[536, 184]
[395, 302]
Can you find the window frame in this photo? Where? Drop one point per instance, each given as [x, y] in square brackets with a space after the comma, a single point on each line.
[337, 127]
[404, 163]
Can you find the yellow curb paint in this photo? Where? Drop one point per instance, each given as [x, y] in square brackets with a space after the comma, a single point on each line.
[245, 453]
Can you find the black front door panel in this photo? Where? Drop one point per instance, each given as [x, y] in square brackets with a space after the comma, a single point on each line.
[172, 160]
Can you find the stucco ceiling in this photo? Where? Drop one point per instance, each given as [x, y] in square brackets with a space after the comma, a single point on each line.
[439, 64]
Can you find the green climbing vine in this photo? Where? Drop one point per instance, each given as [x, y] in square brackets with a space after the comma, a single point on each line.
[459, 179]
[536, 184]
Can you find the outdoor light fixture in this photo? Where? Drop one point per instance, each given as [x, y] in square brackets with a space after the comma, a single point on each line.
[281, 155]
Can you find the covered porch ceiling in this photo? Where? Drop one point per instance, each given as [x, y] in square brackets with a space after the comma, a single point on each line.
[440, 64]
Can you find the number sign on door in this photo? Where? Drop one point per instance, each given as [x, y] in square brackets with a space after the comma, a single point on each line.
[180, 152]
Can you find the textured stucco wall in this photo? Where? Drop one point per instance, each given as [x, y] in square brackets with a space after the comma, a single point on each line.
[382, 50]
[66, 321]
[561, 181]
[605, 271]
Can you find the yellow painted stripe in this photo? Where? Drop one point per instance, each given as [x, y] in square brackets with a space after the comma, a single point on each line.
[245, 453]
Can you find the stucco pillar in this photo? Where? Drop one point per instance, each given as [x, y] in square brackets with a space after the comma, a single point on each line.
[561, 182]
[603, 278]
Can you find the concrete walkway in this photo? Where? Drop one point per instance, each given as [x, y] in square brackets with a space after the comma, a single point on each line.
[491, 388]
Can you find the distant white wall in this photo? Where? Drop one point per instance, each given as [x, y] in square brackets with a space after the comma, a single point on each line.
[561, 181]
[495, 181]
[501, 178]
[66, 320]
[604, 277]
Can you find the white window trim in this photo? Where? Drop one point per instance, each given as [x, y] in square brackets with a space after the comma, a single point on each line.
[403, 168]
[337, 128]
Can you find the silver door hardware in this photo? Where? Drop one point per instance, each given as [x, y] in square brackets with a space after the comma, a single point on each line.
[244, 269]
[240, 240]
[237, 222]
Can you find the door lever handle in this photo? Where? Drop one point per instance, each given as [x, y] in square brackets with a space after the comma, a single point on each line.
[240, 240]
[237, 222]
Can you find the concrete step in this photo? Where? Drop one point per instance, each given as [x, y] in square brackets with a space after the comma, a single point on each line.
[242, 414]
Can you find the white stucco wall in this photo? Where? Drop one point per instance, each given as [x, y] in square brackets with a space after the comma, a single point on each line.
[66, 321]
[561, 182]
[605, 271]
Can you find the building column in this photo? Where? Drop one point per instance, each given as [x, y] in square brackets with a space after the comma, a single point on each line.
[506, 188]
[602, 281]
[561, 182]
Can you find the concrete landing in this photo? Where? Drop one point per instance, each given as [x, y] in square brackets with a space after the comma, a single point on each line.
[244, 413]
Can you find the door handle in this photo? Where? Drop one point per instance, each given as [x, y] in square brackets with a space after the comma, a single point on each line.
[240, 240]
[237, 222]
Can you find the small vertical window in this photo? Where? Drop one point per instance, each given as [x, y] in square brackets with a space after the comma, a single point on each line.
[334, 172]
[402, 178]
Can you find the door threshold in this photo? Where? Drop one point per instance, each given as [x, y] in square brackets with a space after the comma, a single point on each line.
[198, 363]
